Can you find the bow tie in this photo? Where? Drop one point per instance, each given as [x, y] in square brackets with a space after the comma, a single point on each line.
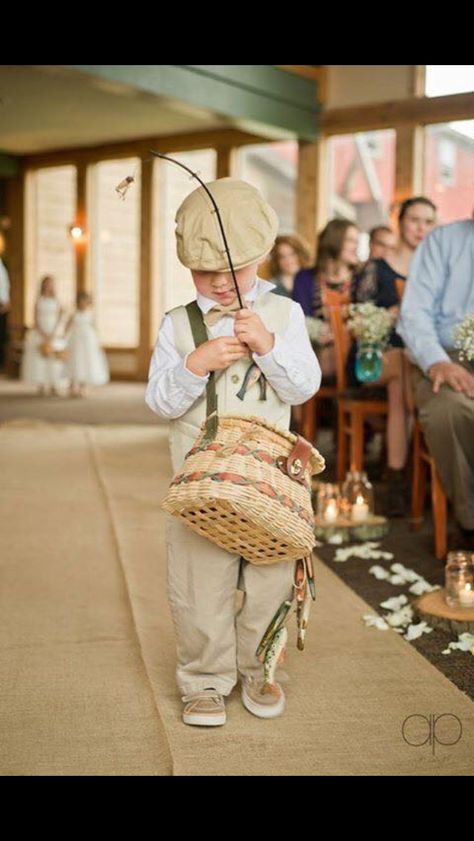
[216, 313]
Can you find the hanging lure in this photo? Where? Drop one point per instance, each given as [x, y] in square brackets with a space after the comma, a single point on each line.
[274, 655]
[274, 626]
[124, 186]
[308, 561]
[302, 616]
[253, 374]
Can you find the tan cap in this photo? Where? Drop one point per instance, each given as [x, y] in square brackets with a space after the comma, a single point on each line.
[250, 226]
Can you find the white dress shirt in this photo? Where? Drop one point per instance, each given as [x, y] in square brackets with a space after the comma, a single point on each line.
[291, 367]
[4, 284]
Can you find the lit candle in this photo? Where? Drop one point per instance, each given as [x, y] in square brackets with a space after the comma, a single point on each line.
[331, 512]
[466, 596]
[360, 509]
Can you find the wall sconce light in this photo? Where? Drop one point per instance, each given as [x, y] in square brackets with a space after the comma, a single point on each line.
[76, 232]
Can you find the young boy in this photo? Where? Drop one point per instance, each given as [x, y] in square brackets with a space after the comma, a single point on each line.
[213, 644]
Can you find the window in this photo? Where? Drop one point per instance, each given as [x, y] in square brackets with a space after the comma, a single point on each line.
[50, 210]
[449, 169]
[445, 79]
[447, 160]
[114, 254]
[273, 169]
[361, 173]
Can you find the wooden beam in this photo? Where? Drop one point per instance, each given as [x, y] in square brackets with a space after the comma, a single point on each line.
[141, 147]
[145, 298]
[258, 92]
[416, 110]
[408, 162]
[310, 198]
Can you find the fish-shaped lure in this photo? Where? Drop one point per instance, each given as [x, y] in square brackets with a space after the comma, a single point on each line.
[252, 375]
[274, 626]
[302, 617]
[273, 656]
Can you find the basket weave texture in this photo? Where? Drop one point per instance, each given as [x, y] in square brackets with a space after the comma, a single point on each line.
[232, 491]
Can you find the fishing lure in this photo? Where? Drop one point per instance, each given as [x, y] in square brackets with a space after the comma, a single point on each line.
[274, 655]
[308, 561]
[124, 186]
[274, 626]
[302, 617]
[252, 375]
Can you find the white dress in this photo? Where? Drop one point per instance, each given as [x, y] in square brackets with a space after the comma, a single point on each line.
[86, 361]
[36, 368]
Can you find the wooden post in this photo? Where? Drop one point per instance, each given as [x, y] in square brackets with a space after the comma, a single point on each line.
[145, 297]
[311, 211]
[225, 162]
[15, 249]
[408, 162]
[81, 245]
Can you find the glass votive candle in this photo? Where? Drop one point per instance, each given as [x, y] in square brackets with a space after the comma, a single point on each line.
[358, 495]
[459, 580]
[328, 503]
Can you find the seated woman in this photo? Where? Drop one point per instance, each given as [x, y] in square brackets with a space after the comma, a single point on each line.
[288, 256]
[336, 260]
[381, 282]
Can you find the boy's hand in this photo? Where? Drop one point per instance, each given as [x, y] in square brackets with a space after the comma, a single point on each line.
[215, 355]
[250, 329]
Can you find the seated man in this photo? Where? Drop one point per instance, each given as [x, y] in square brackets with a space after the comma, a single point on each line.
[439, 293]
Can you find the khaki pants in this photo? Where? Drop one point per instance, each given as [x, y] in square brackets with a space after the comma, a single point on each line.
[447, 419]
[213, 643]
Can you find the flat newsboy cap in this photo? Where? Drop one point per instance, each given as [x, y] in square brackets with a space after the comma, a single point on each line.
[250, 226]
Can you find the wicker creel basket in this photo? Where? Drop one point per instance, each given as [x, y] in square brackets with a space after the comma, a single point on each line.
[249, 490]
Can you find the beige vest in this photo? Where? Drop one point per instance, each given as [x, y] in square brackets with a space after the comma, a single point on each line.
[274, 311]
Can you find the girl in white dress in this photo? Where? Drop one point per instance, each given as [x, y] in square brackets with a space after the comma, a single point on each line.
[86, 361]
[42, 362]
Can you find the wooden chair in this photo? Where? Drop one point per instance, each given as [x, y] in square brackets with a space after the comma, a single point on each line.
[334, 301]
[353, 410]
[422, 460]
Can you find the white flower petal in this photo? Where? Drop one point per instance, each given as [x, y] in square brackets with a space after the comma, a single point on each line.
[379, 572]
[415, 631]
[375, 621]
[395, 602]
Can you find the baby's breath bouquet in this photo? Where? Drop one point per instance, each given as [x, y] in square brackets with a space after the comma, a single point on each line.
[369, 324]
[464, 338]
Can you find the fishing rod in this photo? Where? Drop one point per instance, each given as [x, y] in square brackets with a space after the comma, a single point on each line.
[219, 219]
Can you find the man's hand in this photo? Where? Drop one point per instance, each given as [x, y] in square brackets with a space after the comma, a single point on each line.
[452, 374]
[250, 329]
[215, 355]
